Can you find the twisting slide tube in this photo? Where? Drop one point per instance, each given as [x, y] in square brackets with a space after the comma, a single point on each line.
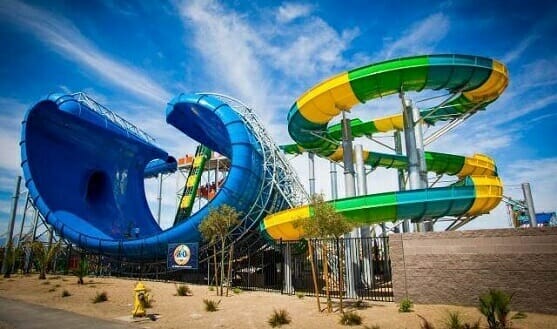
[476, 81]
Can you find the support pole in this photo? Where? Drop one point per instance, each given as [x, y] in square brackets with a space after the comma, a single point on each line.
[159, 199]
[401, 185]
[23, 219]
[334, 185]
[287, 256]
[13, 213]
[530, 204]
[350, 190]
[311, 158]
[364, 232]
[414, 178]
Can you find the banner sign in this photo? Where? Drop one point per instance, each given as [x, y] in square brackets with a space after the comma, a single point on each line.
[182, 256]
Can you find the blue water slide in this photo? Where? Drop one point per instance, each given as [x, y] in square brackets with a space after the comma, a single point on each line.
[85, 172]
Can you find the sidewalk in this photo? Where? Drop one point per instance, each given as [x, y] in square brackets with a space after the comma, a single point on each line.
[20, 315]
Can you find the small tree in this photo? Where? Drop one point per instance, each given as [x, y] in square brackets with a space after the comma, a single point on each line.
[44, 256]
[216, 227]
[10, 259]
[82, 269]
[324, 222]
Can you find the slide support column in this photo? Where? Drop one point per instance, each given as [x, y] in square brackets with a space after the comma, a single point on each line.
[286, 254]
[13, 214]
[530, 204]
[159, 200]
[401, 185]
[350, 190]
[366, 276]
[414, 178]
[311, 158]
[334, 185]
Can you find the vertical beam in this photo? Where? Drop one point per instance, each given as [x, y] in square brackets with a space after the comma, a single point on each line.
[13, 214]
[311, 158]
[530, 204]
[364, 232]
[401, 185]
[159, 199]
[23, 219]
[334, 185]
[414, 178]
[287, 257]
[350, 190]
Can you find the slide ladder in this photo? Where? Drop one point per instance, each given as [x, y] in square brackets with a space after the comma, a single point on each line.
[202, 153]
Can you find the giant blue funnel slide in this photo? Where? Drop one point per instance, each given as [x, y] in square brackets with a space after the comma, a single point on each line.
[84, 168]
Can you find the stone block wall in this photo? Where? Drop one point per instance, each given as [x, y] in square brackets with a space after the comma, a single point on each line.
[457, 267]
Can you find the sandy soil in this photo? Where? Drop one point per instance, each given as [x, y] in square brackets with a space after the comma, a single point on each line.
[243, 310]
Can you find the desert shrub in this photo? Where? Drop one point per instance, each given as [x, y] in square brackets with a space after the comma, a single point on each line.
[46, 283]
[183, 290]
[52, 290]
[211, 305]
[66, 293]
[279, 318]
[518, 316]
[453, 321]
[425, 324]
[100, 297]
[300, 295]
[360, 304]
[350, 319]
[405, 305]
[211, 288]
[495, 305]
[237, 290]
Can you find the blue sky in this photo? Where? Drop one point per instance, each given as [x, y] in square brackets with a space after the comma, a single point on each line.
[133, 56]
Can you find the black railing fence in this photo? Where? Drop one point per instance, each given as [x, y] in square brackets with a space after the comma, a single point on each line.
[256, 267]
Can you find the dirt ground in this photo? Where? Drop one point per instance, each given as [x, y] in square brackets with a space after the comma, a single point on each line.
[246, 309]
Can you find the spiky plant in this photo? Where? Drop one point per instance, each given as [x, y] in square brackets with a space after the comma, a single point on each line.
[279, 318]
[350, 319]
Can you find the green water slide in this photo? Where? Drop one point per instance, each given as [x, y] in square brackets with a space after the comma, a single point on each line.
[202, 154]
[475, 82]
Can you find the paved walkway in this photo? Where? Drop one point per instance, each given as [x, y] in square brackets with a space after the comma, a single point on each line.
[21, 315]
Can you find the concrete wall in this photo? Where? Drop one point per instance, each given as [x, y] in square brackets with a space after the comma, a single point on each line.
[457, 267]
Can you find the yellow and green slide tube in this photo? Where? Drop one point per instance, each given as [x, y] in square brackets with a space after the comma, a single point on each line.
[476, 82]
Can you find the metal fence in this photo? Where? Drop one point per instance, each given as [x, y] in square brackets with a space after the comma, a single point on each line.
[265, 267]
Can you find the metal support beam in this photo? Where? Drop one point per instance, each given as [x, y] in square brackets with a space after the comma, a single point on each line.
[334, 185]
[311, 160]
[13, 213]
[414, 178]
[401, 179]
[287, 256]
[351, 260]
[159, 200]
[529, 204]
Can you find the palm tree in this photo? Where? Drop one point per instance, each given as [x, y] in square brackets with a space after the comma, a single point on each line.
[44, 256]
[82, 270]
[216, 226]
[325, 222]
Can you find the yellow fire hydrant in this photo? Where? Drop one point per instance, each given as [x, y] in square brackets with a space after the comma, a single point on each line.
[140, 300]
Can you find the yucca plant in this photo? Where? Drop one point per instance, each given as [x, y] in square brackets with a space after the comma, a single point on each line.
[66, 293]
[100, 297]
[350, 319]
[211, 305]
[425, 324]
[82, 270]
[495, 305]
[453, 321]
[44, 256]
[183, 290]
[279, 318]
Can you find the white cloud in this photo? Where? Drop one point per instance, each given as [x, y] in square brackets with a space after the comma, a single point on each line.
[519, 49]
[64, 37]
[10, 123]
[420, 38]
[290, 11]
